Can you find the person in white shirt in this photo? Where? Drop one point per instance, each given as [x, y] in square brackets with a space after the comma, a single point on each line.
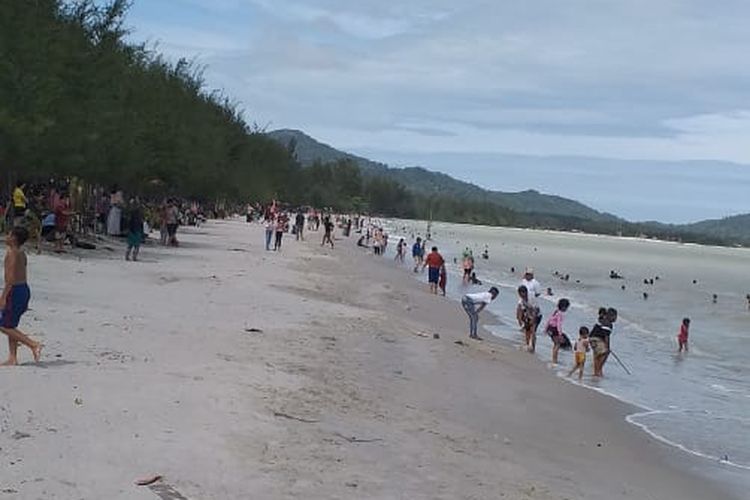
[473, 304]
[534, 289]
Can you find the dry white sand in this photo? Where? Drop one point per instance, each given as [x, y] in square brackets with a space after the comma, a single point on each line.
[150, 368]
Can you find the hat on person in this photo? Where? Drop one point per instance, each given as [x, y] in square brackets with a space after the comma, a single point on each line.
[529, 270]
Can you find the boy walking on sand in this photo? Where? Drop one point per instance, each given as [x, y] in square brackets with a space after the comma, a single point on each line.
[434, 262]
[328, 235]
[581, 348]
[14, 301]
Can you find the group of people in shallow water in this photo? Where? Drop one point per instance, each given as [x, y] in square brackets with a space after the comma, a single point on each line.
[595, 340]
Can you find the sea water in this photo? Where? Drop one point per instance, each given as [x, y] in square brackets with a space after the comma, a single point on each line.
[698, 401]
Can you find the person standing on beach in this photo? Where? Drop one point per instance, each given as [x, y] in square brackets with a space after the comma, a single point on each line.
[299, 226]
[135, 230]
[328, 228]
[62, 217]
[162, 220]
[173, 220]
[14, 301]
[473, 304]
[400, 251]
[682, 338]
[270, 226]
[281, 227]
[417, 253]
[555, 330]
[19, 204]
[434, 263]
[114, 218]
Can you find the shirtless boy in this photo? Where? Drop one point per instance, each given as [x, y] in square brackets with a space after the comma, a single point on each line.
[14, 300]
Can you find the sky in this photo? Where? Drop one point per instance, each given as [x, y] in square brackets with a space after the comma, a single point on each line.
[639, 107]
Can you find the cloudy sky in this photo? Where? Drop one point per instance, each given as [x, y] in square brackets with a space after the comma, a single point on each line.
[637, 107]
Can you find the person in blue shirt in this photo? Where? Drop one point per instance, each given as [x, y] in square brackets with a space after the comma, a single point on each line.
[417, 252]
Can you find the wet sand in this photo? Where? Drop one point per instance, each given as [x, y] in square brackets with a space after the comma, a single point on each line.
[157, 367]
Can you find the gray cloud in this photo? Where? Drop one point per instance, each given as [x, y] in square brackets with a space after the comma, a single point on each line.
[633, 79]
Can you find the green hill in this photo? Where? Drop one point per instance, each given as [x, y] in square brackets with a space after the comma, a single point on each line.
[733, 230]
[523, 209]
[425, 182]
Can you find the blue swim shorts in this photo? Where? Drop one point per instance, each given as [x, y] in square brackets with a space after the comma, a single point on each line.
[16, 304]
[434, 274]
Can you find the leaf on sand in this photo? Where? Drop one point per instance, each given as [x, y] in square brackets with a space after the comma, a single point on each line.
[292, 417]
[148, 480]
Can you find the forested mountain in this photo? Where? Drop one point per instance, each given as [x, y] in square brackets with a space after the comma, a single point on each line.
[735, 228]
[308, 151]
[525, 209]
[425, 182]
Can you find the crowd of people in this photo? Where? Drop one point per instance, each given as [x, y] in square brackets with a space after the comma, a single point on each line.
[66, 212]
[279, 219]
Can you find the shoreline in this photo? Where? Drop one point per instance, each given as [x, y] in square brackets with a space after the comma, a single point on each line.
[309, 373]
[584, 234]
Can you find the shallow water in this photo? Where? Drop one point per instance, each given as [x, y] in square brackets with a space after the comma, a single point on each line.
[698, 402]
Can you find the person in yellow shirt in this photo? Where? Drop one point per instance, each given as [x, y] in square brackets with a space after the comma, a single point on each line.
[19, 204]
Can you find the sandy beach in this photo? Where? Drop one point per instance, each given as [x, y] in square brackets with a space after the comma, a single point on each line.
[312, 373]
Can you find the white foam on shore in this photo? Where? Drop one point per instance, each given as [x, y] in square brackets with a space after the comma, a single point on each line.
[631, 419]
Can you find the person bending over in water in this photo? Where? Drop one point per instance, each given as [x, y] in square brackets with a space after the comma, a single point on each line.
[682, 338]
[14, 301]
[473, 304]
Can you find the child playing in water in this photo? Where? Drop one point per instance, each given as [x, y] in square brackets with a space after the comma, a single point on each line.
[682, 338]
[14, 301]
[555, 331]
[581, 348]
